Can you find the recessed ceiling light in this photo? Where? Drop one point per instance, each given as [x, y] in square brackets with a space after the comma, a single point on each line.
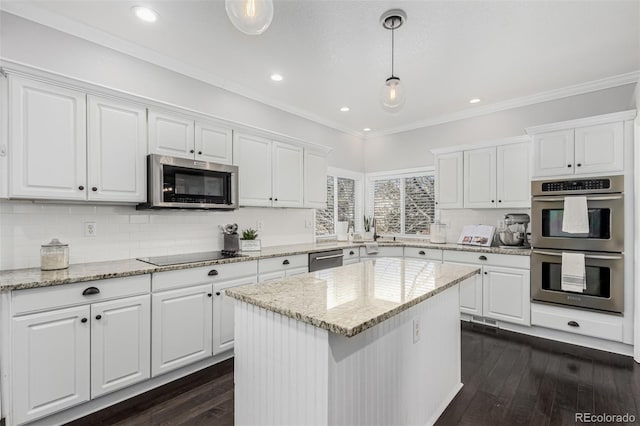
[276, 77]
[366, 129]
[145, 14]
[345, 109]
[474, 101]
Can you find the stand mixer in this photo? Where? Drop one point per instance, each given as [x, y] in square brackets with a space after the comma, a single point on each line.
[514, 232]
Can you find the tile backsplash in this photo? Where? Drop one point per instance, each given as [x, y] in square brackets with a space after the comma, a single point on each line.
[123, 232]
[456, 219]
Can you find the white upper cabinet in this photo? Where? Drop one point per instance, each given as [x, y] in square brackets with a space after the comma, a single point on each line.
[599, 148]
[186, 137]
[553, 153]
[315, 180]
[287, 175]
[270, 173]
[448, 180]
[171, 134]
[480, 178]
[48, 141]
[117, 137]
[513, 174]
[213, 143]
[586, 146]
[252, 155]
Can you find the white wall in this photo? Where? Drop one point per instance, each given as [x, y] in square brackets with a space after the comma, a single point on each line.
[40, 46]
[123, 232]
[412, 148]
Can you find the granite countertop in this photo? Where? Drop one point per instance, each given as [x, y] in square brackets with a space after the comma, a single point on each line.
[350, 299]
[19, 279]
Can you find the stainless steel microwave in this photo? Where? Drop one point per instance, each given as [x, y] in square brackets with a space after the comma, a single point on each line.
[180, 183]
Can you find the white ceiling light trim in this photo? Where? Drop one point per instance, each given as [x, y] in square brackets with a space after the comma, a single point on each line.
[550, 95]
[345, 109]
[276, 77]
[474, 100]
[145, 14]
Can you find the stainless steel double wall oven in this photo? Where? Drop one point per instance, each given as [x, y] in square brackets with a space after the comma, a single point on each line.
[603, 245]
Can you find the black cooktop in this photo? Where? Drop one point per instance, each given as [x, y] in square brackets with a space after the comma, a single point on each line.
[178, 259]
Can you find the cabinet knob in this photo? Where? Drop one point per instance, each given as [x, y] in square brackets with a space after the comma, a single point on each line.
[217, 293]
[421, 252]
[191, 151]
[275, 199]
[90, 290]
[579, 164]
[199, 152]
[493, 201]
[209, 294]
[437, 202]
[81, 188]
[351, 253]
[270, 198]
[212, 273]
[499, 201]
[568, 165]
[285, 262]
[485, 272]
[83, 320]
[573, 324]
[482, 257]
[94, 189]
[98, 316]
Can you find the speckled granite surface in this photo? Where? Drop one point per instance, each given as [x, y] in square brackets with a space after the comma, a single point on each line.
[353, 298]
[20, 279]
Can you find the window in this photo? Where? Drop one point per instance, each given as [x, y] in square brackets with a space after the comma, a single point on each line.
[402, 204]
[343, 202]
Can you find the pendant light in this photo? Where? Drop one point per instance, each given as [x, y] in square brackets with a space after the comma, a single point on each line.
[251, 17]
[392, 95]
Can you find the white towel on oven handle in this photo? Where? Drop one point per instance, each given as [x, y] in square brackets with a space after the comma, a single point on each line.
[575, 217]
[573, 275]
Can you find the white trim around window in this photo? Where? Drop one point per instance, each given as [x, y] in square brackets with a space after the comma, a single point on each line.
[359, 198]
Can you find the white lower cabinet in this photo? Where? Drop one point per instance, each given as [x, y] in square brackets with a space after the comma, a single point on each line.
[181, 327]
[278, 268]
[471, 295]
[223, 314]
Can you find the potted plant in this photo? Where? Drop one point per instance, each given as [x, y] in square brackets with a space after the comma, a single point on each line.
[249, 240]
[368, 225]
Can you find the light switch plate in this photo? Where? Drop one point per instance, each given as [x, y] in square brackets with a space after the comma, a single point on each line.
[90, 229]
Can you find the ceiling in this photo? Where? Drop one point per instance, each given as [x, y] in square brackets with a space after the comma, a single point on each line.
[335, 53]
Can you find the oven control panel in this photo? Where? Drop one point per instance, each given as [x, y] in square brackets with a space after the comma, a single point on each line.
[592, 185]
[576, 185]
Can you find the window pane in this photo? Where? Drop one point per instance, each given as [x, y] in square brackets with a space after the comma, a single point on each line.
[324, 217]
[386, 205]
[347, 200]
[418, 204]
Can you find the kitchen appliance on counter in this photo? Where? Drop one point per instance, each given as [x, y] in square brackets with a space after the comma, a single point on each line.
[602, 245]
[512, 232]
[325, 260]
[179, 259]
[179, 183]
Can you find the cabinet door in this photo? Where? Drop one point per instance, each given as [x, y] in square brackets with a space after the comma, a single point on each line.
[50, 362]
[553, 153]
[252, 155]
[287, 175]
[315, 180]
[297, 271]
[471, 293]
[120, 343]
[214, 143]
[48, 141]
[513, 173]
[448, 182]
[271, 276]
[223, 314]
[599, 148]
[506, 295]
[117, 139]
[180, 327]
[480, 178]
[171, 135]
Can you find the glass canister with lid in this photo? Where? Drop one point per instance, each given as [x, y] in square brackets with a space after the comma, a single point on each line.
[54, 255]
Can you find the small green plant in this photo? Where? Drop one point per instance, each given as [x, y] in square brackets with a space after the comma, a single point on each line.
[249, 234]
[368, 221]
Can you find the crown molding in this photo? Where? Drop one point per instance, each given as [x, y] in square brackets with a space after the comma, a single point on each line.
[85, 32]
[581, 122]
[550, 95]
[483, 144]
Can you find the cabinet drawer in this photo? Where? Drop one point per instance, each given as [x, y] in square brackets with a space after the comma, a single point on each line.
[513, 261]
[423, 253]
[351, 254]
[206, 274]
[586, 323]
[38, 299]
[383, 252]
[284, 262]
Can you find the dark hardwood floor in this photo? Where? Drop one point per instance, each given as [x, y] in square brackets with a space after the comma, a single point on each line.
[509, 379]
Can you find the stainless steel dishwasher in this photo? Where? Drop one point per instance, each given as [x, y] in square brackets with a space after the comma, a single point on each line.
[325, 260]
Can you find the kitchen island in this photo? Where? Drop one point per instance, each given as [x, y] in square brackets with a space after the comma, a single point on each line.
[376, 342]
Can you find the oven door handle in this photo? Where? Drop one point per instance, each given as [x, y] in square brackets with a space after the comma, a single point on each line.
[589, 198]
[586, 256]
[333, 256]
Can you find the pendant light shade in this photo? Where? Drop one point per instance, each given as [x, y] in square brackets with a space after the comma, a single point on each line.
[392, 95]
[251, 17]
